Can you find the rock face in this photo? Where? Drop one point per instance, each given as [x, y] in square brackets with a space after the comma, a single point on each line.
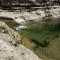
[9, 52]
[37, 15]
[14, 35]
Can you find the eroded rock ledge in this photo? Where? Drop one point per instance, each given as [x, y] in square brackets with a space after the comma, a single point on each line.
[10, 52]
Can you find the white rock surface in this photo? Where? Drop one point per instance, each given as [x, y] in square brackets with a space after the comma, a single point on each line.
[9, 52]
[22, 17]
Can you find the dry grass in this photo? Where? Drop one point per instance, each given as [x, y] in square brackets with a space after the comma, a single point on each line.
[28, 43]
[10, 23]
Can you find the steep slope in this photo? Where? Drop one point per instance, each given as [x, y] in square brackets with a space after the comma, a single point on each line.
[8, 51]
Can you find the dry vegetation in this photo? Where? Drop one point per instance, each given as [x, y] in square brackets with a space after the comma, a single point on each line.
[42, 34]
[10, 23]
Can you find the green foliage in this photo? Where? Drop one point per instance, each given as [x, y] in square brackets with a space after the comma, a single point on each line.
[45, 35]
[41, 33]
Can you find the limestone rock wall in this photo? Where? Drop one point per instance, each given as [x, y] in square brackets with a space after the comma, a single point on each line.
[11, 32]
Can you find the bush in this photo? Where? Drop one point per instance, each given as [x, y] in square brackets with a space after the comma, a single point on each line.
[40, 43]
